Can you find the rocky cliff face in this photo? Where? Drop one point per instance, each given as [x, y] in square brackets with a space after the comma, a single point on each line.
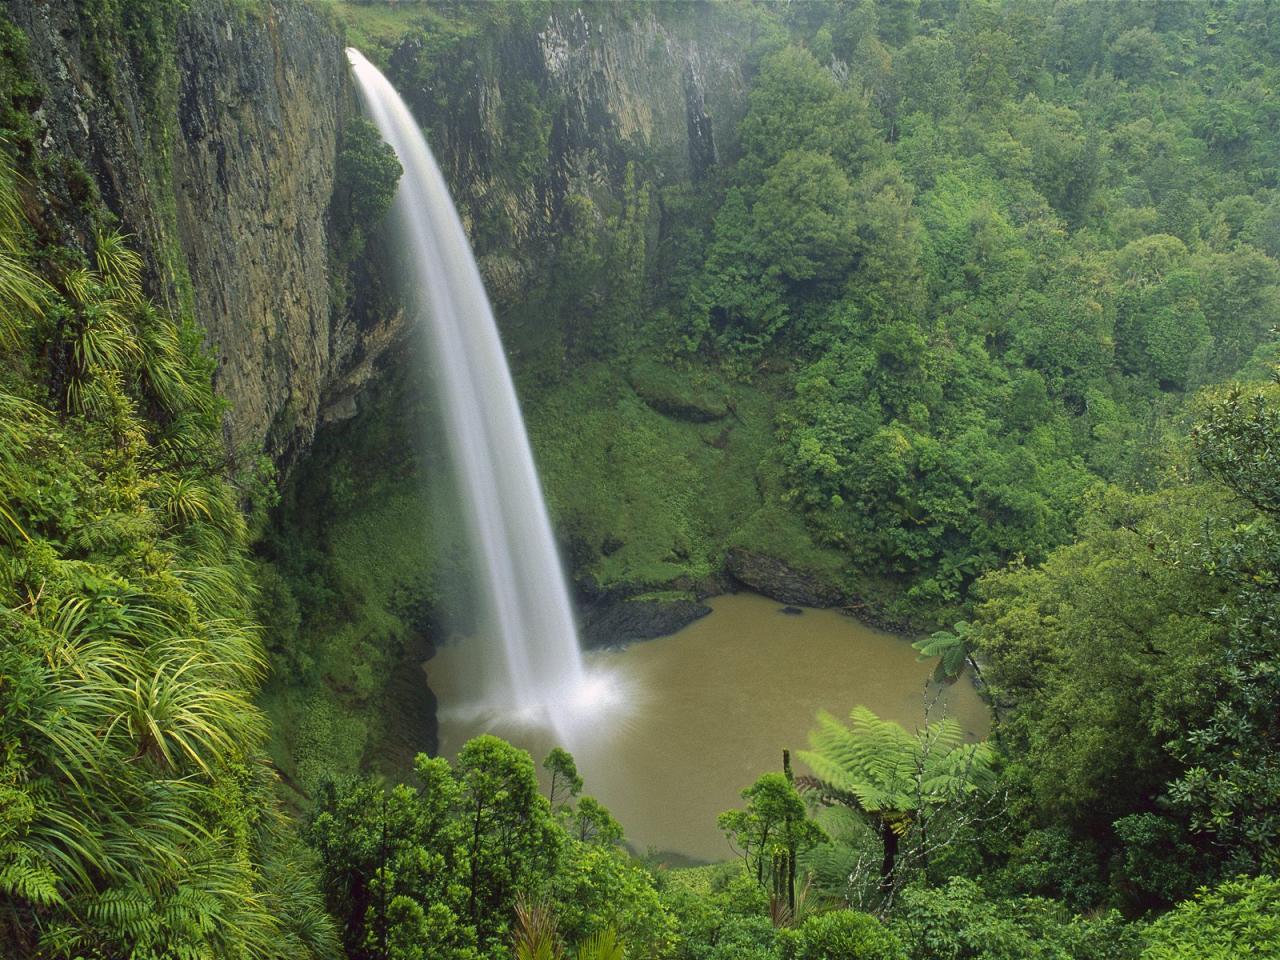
[217, 148]
[258, 118]
[214, 140]
[524, 114]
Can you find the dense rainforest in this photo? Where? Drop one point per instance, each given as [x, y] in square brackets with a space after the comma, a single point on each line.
[958, 316]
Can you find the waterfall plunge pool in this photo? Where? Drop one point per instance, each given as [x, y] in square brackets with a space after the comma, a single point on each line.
[683, 723]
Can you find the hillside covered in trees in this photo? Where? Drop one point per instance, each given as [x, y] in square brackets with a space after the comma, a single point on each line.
[963, 319]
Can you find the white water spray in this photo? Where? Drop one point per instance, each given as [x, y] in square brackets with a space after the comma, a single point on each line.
[532, 662]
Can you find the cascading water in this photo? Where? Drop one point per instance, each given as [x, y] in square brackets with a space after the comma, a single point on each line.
[531, 659]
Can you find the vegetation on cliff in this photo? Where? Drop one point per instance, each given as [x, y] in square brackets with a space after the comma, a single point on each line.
[139, 816]
[950, 275]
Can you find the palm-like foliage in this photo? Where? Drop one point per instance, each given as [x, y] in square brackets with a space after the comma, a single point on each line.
[22, 293]
[119, 266]
[895, 778]
[135, 807]
[184, 499]
[601, 945]
[113, 336]
[887, 770]
[19, 421]
[951, 646]
[782, 914]
[536, 935]
[162, 367]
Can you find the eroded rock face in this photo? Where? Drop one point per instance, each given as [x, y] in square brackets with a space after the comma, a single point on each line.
[619, 622]
[259, 109]
[776, 579]
[225, 179]
[99, 120]
[599, 88]
[227, 185]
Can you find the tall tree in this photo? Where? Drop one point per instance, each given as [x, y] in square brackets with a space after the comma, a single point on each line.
[771, 832]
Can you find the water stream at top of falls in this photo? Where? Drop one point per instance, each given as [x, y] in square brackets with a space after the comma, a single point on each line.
[527, 648]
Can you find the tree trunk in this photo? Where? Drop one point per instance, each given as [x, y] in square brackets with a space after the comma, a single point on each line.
[890, 840]
[791, 849]
[791, 882]
[924, 841]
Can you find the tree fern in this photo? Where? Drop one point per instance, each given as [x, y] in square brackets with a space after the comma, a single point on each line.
[894, 778]
[951, 647]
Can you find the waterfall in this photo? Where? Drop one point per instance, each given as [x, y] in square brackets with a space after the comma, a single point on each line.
[528, 648]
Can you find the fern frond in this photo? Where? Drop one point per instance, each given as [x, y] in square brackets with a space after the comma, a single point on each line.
[26, 879]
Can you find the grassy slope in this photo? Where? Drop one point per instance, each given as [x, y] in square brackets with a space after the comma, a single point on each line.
[645, 498]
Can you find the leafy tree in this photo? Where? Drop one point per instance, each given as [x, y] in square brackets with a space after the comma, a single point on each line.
[888, 278]
[959, 921]
[565, 783]
[443, 868]
[1157, 859]
[1238, 293]
[803, 219]
[1237, 918]
[590, 822]
[509, 842]
[365, 179]
[771, 833]
[734, 298]
[389, 862]
[1065, 163]
[1229, 784]
[796, 104]
[367, 172]
[929, 75]
[597, 889]
[845, 935]
[438, 867]
[1106, 639]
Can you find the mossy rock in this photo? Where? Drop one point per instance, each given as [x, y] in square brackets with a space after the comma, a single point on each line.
[772, 554]
[682, 395]
[628, 620]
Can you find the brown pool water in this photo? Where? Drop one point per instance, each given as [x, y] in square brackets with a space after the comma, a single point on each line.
[703, 712]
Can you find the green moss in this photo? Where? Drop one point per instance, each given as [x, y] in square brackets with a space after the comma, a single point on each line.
[19, 93]
[375, 28]
[686, 395]
[353, 549]
[664, 596]
[642, 498]
[775, 532]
